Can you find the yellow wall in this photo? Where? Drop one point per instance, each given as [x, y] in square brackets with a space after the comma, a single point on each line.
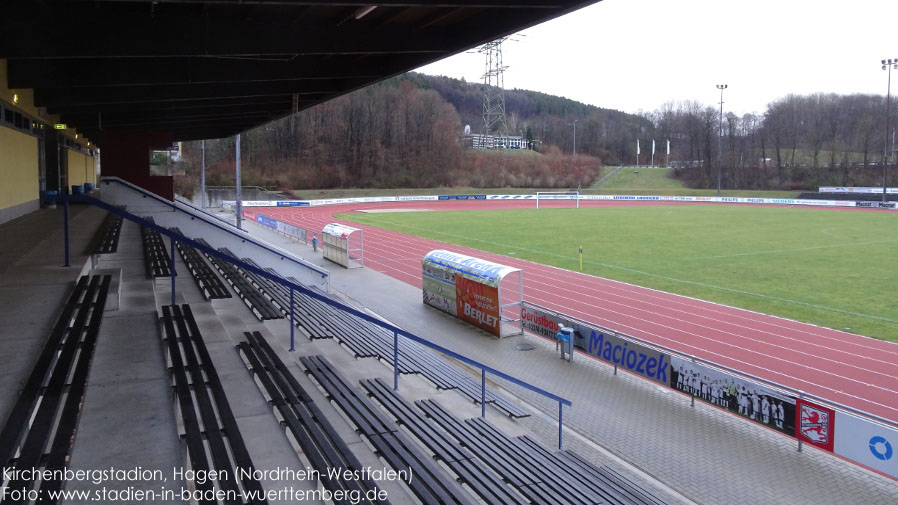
[81, 169]
[18, 168]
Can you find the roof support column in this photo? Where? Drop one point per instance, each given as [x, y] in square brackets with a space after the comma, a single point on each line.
[126, 154]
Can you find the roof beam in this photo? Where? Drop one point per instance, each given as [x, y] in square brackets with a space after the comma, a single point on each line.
[118, 119]
[200, 103]
[111, 33]
[517, 4]
[57, 73]
[60, 97]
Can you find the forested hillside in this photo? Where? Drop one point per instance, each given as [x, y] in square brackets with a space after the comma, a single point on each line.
[405, 132]
[393, 134]
[799, 142]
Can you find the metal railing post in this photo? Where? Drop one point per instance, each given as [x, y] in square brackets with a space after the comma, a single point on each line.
[172, 270]
[65, 229]
[483, 392]
[395, 361]
[691, 391]
[800, 442]
[560, 425]
[292, 323]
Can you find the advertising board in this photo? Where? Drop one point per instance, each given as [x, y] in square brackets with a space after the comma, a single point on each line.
[439, 289]
[600, 343]
[875, 205]
[266, 221]
[478, 304]
[815, 424]
[749, 399]
[866, 442]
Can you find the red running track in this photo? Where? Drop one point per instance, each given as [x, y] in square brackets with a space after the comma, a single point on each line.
[856, 371]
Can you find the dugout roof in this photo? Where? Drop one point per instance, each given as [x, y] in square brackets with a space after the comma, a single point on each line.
[469, 267]
[198, 69]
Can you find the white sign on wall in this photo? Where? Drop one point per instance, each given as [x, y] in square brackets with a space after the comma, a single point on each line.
[868, 443]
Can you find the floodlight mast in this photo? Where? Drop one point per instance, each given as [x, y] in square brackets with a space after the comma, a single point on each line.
[721, 87]
[887, 64]
[575, 136]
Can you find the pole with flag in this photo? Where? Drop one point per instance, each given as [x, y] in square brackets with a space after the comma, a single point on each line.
[653, 153]
[581, 257]
[637, 153]
[667, 163]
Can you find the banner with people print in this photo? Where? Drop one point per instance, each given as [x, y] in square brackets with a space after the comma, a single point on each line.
[749, 399]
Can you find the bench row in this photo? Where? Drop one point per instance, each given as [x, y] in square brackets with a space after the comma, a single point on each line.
[314, 435]
[365, 340]
[501, 469]
[53, 394]
[213, 439]
[428, 482]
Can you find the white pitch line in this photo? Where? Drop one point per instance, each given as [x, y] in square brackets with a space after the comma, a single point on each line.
[667, 278]
[390, 245]
[798, 249]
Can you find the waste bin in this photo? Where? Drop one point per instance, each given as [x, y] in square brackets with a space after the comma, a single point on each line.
[49, 198]
[88, 187]
[77, 189]
[565, 338]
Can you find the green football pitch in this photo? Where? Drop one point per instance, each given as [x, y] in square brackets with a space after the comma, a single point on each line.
[832, 268]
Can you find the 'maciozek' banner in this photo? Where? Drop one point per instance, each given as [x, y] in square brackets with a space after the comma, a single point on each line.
[632, 356]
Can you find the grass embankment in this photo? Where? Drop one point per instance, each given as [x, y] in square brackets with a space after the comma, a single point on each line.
[655, 181]
[834, 269]
[647, 182]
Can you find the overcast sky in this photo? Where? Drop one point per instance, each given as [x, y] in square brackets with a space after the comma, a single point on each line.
[636, 55]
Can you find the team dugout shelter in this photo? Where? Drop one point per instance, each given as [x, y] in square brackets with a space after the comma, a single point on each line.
[343, 245]
[474, 290]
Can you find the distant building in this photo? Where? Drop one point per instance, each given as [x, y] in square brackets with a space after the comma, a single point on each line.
[478, 141]
[172, 152]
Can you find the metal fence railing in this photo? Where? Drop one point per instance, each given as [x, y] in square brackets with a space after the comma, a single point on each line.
[786, 390]
[294, 287]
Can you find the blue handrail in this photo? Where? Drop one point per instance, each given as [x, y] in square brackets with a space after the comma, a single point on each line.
[227, 229]
[201, 211]
[333, 303]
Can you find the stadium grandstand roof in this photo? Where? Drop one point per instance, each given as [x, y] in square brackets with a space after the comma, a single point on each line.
[199, 69]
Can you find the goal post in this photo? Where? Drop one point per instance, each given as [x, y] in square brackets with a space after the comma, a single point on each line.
[559, 195]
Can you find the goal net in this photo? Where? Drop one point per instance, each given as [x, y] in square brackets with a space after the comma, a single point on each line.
[570, 195]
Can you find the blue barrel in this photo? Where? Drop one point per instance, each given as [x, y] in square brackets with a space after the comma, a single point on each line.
[77, 189]
[50, 198]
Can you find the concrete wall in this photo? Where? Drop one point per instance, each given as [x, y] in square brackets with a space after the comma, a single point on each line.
[19, 173]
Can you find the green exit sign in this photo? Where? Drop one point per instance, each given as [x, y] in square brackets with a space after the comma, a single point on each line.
[60, 126]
